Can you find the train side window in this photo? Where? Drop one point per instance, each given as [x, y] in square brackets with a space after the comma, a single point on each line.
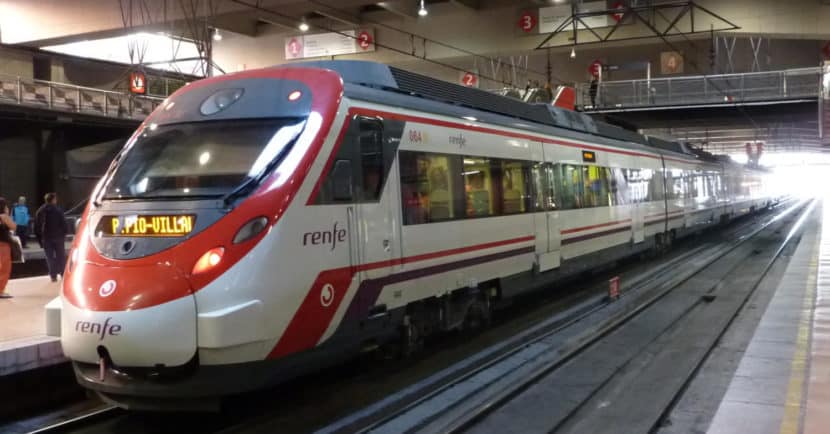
[478, 186]
[595, 191]
[515, 191]
[551, 196]
[429, 192]
[638, 183]
[656, 187]
[569, 177]
[620, 193]
[342, 176]
[370, 143]
[539, 196]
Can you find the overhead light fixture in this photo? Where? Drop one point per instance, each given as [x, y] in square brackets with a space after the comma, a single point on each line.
[423, 10]
[303, 26]
[216, 35]
[573, 52]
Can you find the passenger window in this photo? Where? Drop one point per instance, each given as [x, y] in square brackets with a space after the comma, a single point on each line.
[619, 187]
[428, 191]
[655, 185]
[539, 194]
[675, 188]
[551, 196]
[478, 186]
[637, 184]
[571, 187]
[370, 141]
[595, 191]
[515, 191]
[370, 146]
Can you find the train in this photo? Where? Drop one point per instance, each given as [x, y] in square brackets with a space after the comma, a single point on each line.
[264, 224]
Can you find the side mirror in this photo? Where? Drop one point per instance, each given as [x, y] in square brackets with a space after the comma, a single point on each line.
[342, 180]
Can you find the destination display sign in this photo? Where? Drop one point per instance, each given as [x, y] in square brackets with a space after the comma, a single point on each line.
[146, 225]
[589, 157]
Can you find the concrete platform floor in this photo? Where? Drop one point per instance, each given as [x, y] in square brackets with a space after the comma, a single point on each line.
[33, 251]
[24, 344]
[24, 315]
[782, 384]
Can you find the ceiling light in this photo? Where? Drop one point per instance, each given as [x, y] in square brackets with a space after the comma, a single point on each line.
[303, 26]
[573, 53]
[216, 35]
[423, 10]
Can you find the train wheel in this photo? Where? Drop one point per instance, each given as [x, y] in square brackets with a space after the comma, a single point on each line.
[411, 340]
[477, 317]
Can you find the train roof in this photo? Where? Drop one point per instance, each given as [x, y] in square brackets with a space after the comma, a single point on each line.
[365, 78]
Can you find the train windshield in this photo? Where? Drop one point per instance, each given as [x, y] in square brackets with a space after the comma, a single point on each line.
[201, 159]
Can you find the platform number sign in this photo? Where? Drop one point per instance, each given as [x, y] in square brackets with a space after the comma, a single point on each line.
[294, 49]
[364, 40]
[469, 79]
[594, 68]
[527, 21]
[618, 16]
[138, 83]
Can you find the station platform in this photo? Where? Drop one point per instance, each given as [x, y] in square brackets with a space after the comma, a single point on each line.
[24, 343]
[34, 252]
[782, 383]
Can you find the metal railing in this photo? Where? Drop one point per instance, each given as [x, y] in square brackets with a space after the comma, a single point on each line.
[77, 99]
[702, 89]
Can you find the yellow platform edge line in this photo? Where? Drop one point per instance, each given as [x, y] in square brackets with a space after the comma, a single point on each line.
[793, 420]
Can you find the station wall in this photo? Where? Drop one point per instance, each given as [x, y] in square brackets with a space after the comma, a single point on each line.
[18, 168]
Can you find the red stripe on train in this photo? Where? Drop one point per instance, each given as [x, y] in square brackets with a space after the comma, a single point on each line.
[329, 289]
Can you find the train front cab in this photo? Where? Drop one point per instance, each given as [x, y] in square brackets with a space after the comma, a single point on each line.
[164, 277]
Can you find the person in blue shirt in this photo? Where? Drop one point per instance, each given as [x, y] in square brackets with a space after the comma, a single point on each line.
[20, 215]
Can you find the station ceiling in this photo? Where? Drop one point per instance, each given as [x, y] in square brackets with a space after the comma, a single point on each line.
[456, 29]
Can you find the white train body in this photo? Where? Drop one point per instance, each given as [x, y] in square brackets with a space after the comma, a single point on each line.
[383, 214]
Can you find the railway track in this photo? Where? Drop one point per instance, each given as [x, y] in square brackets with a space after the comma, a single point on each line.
[534, 340]
[479, 399]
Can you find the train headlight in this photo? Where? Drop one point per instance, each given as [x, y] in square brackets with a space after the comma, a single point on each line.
[209, 260]
[250, 230]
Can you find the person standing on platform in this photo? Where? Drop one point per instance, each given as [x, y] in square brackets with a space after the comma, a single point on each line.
[6, 225]
[50, 228]
[592, 90]
[20, 213]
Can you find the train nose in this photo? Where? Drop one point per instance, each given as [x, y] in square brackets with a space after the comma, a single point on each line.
[143, 316]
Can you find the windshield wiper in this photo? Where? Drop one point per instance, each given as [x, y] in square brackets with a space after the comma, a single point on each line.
[226, 199]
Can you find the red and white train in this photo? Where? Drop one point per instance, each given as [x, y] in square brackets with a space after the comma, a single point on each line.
[263, 224]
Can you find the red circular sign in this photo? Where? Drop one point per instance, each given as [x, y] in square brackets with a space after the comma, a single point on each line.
[594, 68]
[469, 79]
[618, 16]
[364, 40]
[294, 47]
[527, 22]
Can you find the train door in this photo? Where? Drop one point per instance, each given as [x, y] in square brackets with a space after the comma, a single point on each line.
[638, 211]
[375, 236]
[552, 212]
[546, 219]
